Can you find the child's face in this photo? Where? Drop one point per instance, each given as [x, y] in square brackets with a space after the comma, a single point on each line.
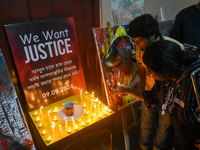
[142, 42]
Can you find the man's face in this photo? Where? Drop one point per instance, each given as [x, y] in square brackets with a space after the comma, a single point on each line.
[142, 42]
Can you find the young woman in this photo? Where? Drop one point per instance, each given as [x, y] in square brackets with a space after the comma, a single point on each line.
[167, 62]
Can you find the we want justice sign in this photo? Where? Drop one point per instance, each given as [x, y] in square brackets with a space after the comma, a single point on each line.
[47, 59]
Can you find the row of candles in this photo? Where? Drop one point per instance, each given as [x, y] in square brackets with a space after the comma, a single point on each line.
[94, 105]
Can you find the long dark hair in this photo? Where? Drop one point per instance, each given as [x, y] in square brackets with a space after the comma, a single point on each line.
[167, 58]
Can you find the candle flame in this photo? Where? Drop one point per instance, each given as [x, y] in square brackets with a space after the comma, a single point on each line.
[53, 125]
[55, 110]
[41, 108]
[49, 111]
[35, 113]
[69, 130]
[55, 118]
[83, 123]
[43, 132]
[37, 119]
[76, 127]
[100, 115]
[48, 139]
[87, 112]
[88, 121]
[40, 125]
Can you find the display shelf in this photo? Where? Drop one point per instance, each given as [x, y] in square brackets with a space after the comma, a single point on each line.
[53, 127]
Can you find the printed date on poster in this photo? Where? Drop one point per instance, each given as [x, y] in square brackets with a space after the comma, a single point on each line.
[56, 91]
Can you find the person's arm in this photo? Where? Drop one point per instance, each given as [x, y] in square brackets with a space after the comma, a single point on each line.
[139, 76]
[136, 93]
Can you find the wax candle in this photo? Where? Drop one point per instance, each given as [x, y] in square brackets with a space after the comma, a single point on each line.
[73, 122]
[81, 96]
[53, 131]
[91, 105]
[35, 113]
[66, 124]
[99, 107]
[76, 127]
[105, 113]
[37, 119]
[49, 116]
[84, 105]
[41, 114]
[69, 130]
[88, 121]
[86, 92]
[55, 110]
[43, 132]
[55, 118]
[96, 100]
[92, 95]
[60, 127]
[87, 112]
[48, 139]
[40, 125]
[83, 124]
[100, 115]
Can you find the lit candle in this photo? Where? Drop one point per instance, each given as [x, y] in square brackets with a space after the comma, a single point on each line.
[86, 92]
[52, 126]
[35, 113]
[55, 110]
[79, 120]
[41, 114]
[91, 105]
[76, 127]
[55, 118]
[60, 127]
[105, 113]
[75, 102]
[84, 105]
[40, 125]
[83, 124]
[48, 139]
[66, 124]
[95, 107]
[87, 112]
[37, 119]
[96, 100]
[99, 107]
[81, 96]
[100, 115]
[73, 122]
[88, 121]
[92, 115]
[109, 110]
[49, 116]
[43, 132]
[92, 95]
[69, 130]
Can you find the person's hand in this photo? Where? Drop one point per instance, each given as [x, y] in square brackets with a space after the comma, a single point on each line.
[189, 47]
[197, 144]
[120, 89]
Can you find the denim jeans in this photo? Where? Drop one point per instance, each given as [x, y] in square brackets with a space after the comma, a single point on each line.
[163, 131]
